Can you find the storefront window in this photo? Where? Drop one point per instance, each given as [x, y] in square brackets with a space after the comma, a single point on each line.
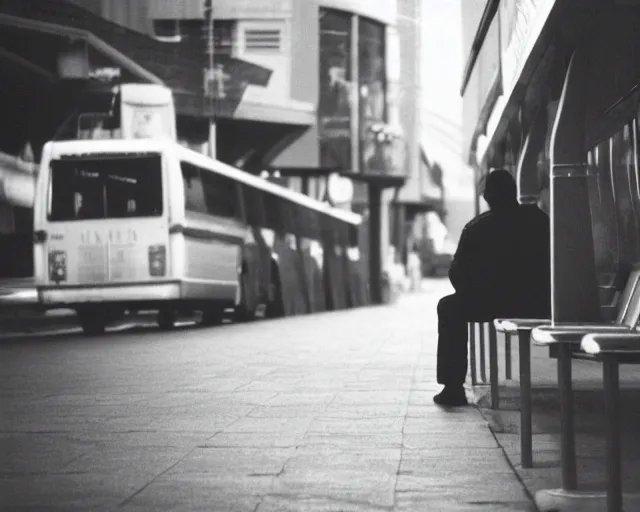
[334, 109]
[375, 149]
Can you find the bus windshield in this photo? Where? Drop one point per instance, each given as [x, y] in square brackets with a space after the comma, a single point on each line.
[105, 188]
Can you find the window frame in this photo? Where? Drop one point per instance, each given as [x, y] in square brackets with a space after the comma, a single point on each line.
[203, 174]
[103, 159]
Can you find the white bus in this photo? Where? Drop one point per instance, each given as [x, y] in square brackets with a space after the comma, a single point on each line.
[127, 225]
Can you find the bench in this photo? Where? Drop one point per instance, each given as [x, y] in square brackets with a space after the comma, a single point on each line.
[612, 350]
[565, 341]
[523, 328]
[481, 329]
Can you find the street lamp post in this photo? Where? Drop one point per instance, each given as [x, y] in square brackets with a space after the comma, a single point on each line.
[208, 16]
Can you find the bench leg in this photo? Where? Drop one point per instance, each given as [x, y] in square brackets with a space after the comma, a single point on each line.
[610, 377]
[567, 435]
[472, 353]
[507, 355]
[493, 367]
[524, 358]
[483, 366]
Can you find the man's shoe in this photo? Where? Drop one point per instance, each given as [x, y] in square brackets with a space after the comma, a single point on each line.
[451, 397]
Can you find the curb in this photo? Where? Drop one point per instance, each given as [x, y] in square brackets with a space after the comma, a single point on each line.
[35, 322]
[63, 330]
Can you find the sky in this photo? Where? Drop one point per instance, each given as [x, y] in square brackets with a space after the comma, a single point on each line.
[442, 68]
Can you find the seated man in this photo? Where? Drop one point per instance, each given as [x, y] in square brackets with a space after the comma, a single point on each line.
[501, 268]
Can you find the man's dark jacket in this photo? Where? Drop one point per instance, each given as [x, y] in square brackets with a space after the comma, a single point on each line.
[502, 264]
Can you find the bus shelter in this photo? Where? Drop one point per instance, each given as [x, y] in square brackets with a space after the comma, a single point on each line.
[570, 122]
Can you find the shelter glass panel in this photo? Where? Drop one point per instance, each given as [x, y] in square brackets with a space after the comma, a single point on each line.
[623, 176]
[603, 217]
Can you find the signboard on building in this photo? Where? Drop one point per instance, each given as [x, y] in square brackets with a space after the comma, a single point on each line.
[229, 79]
[521, 22]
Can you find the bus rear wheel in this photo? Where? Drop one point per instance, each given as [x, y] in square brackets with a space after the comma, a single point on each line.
[93, 323]
[166, 319]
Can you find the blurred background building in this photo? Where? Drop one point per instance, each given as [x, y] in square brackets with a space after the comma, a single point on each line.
[443, 57]
[298, 90]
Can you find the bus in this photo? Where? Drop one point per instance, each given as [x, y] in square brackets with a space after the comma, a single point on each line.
[127, 225]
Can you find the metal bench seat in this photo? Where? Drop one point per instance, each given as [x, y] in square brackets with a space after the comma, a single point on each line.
[567, 339]
[522, 327]
[612, 350]
[568, 335]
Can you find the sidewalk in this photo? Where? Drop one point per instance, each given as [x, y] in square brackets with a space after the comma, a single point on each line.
[589, 421]
[328, 412]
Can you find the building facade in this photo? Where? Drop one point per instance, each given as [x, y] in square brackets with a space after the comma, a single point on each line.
[423, 192]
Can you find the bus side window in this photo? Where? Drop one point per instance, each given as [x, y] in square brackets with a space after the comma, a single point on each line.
[194, 200]
[221, 195]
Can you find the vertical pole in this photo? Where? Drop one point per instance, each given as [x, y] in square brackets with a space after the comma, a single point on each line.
[483, 366]
[610, 377]
[493, 367]
[355, 106]
[507, 355]
[472, 353]
[212, 139]
[567, 438]
[476, 197]
[574, 292]
[375, 259]
[524, 353]
[208, 9]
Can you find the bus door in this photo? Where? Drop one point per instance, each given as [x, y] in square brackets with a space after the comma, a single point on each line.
[105, 221]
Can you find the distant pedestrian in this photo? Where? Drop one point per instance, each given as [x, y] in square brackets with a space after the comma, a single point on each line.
[414, 268]
[500, 268]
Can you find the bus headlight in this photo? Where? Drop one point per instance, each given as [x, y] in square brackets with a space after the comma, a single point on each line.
[157, 260]
[57, 266]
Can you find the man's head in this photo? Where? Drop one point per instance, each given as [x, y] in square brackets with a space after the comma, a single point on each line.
[500, 189]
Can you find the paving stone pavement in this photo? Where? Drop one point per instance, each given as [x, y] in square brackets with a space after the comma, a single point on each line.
[330, 412]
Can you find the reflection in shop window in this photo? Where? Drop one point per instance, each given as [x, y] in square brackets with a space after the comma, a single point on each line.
[334, 108]
[372, 74]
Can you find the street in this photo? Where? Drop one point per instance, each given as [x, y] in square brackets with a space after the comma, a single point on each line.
[323, 412]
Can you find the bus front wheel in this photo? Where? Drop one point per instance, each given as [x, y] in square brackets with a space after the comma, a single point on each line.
[243, 311]
[275, 304]
[212, 316]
